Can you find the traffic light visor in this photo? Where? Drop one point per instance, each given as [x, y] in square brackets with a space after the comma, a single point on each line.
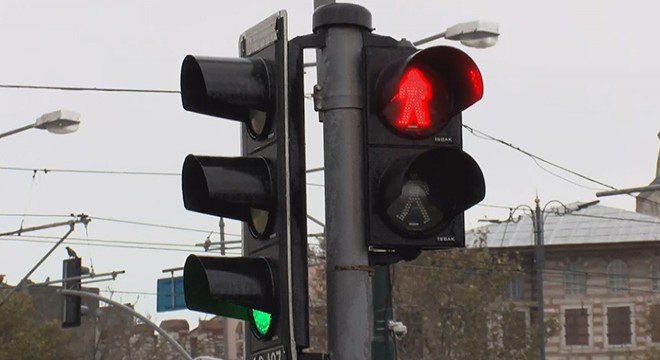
[229, 287]
[238, 188]
[232, 88]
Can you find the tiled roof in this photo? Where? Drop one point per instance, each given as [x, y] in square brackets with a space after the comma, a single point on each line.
[592, 225]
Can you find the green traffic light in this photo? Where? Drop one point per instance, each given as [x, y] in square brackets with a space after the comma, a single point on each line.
[261, 321]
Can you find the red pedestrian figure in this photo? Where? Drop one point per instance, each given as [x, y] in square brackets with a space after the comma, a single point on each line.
[414, 93]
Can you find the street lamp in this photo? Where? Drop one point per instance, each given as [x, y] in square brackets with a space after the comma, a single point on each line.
[56, 122]
[538, 217]
[477, 34]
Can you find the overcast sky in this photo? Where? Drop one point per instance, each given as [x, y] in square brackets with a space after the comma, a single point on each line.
[573, 82]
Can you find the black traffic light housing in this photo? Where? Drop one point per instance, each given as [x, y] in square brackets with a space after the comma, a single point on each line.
[72, 273]
[264, 187]
[419, 180]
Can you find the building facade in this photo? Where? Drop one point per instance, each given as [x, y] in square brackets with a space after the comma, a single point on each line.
[601, 280]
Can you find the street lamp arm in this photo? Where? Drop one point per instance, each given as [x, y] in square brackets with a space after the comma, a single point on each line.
[655, 187]
[566, 209]
[430, 38]
[20, 129]
[56, 122]
[476, 34]
[545, 214]
[512, 211]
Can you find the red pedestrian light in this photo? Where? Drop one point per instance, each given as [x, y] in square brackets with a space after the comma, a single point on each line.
[419, 94]
[420, 181]
[414, 94]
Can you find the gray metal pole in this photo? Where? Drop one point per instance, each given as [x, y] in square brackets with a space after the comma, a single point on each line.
[348, 271]
[12, 132]
[382, 346]
[225, 321]
[629, 190]
[540, 265]
[81, 218]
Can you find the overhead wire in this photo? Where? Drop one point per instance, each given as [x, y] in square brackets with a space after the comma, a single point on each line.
[495, 206]
[131, 222]
[81, 88]
[472, 130]
[128, 292]
[171, 227]
[104, 172]
[98, 243]
[82, 171]
[482, 135]
[110, 241]
[616, 218]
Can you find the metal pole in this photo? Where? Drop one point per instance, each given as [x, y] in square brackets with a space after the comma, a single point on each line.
[81, 218]
[225, 321]
[429, 39]
[222, 236]
[24, 279]
[382, 347]
[12, 132]
[341, 101]
[146, 320]
[629, 190]
[537, 219]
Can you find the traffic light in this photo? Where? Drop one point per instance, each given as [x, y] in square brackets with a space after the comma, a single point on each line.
[419, 180]
[72, 272]
[264, 188]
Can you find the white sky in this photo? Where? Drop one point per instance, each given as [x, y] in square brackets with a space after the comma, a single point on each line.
[573, 82]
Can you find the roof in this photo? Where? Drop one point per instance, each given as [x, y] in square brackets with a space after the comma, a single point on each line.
[595, 224]
[213, 325]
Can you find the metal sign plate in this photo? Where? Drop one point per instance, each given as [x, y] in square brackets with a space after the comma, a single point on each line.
[276, 353]
[169, 294]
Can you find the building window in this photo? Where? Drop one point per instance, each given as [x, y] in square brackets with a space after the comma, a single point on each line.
[617, 276]
[575, 279]
[514, 289]
[655, 275]
[576, 327]
[654, 322]
[619, 329]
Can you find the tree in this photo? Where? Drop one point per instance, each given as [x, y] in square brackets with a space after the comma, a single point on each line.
[453, 304]
[23, 336]
[318, 331]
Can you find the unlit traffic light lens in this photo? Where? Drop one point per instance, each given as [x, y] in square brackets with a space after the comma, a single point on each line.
[422, 194]
[414, 211]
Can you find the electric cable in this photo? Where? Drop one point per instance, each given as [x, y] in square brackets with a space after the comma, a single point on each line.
[77, 88]
[616, 218]
[33, 239]
[482, 135]
[82, 171]
[122, 221]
